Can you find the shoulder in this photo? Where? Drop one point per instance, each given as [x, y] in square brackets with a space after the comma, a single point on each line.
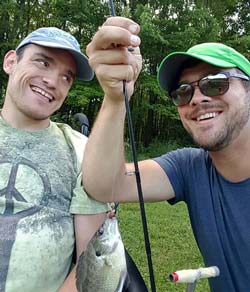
[184, 154]
[179, 160]
[71, 135]
[75, 140]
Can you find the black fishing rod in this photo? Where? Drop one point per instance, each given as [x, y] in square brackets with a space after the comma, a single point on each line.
[137, 175]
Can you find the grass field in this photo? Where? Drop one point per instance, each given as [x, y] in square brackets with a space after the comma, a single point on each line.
[172, 242]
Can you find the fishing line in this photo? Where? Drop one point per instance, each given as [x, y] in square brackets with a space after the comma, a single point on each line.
[137, 175]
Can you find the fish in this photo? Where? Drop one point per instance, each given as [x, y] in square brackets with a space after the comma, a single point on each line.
[102, 266]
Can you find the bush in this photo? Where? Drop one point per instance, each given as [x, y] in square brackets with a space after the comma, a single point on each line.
[155, 149]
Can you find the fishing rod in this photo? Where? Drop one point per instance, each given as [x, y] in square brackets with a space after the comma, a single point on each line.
[137, 174]
[192, 276]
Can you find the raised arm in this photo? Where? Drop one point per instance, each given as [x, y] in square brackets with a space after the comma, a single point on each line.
[105, 174]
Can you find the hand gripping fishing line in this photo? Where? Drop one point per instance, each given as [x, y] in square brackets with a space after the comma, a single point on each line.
[137, 174]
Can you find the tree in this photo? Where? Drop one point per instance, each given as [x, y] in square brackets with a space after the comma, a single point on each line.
[166, 26]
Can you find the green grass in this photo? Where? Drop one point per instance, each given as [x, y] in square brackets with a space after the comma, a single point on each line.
[172, 242]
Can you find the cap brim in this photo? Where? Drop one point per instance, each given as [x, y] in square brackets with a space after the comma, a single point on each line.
[83, 70]
[169, 69]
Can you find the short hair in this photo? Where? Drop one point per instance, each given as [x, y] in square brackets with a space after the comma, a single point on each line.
[20, 52]
[246, 83]
[189, 63]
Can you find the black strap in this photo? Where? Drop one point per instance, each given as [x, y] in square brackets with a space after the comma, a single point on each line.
[134, 281]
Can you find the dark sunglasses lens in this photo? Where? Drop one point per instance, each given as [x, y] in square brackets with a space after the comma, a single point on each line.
[182, 95]
[214, 87]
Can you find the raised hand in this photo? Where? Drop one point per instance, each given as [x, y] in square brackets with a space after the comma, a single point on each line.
[111, 58]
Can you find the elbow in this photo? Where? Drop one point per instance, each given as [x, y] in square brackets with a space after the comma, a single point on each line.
[98, 192]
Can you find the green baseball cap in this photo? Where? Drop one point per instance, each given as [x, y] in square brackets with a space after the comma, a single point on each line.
[216, 54]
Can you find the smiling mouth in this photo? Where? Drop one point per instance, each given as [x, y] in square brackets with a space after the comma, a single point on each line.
[43, 93]
[207, 116]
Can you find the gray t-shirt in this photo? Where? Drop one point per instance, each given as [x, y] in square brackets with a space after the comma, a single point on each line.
[40, 188]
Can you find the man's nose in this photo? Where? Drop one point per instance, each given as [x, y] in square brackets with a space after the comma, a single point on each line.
[198, 96]
[51, 79]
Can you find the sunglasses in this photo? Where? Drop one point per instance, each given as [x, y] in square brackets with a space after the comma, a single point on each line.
[211, 85]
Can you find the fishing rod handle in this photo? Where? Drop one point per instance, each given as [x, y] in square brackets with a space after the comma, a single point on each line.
[193, 275]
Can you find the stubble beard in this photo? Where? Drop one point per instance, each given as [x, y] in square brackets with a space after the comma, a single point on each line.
[232, 128]
[32, 114]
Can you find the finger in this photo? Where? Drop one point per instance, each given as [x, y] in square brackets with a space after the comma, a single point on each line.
[117, 57]
[111, 56]
[126, 23]
[111, 73]
[112, 36]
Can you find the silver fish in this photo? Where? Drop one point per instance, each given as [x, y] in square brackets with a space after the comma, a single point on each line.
[102, 267]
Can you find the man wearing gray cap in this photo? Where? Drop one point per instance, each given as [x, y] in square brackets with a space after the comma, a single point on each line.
[210, 86]
[40, 172]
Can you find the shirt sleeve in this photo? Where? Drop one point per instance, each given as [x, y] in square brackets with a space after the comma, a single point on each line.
[174, 165]
[83, 204]
[183, 168]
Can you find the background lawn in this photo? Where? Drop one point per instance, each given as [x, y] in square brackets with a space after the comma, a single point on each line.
[172, 242]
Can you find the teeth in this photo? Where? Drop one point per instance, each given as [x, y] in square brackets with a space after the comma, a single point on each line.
[42, 92]
[207, 116]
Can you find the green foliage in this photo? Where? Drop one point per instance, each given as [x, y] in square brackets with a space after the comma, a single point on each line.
[154, 149]
[166, 26]
[82, 93]
[153, 41]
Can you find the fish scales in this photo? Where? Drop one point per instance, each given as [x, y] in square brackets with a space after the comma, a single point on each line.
[102, 267]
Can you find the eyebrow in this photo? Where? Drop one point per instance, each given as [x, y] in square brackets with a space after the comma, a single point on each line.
[51, 60]
[214, 72]
[73, 75]
[46, 57]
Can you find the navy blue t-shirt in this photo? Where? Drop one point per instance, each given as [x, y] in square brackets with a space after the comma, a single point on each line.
[219, 212]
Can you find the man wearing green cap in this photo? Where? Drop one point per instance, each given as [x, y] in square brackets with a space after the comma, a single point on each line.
[210, 85]
[41, 189]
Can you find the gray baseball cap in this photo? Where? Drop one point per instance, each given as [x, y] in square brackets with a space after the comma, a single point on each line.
[53, 37]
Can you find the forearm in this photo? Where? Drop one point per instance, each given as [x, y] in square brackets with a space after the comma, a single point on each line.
[103, 164]
[109, 57]
[69, 284]
[85, 228]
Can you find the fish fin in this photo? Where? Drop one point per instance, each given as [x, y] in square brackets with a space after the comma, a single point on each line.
[108, 262]
[121, 282]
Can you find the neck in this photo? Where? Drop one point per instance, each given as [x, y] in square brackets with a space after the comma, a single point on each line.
[20, 121]
[233, 162]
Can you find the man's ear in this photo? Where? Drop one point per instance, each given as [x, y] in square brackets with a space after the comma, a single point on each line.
[9, 61]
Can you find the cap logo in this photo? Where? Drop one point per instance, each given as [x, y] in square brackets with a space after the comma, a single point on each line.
[60, 36]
